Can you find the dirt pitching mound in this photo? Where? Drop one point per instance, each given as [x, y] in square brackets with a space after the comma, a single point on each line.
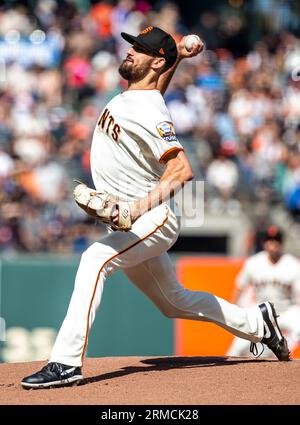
[162, 381]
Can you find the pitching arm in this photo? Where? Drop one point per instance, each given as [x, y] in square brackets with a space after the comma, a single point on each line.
[182, 53]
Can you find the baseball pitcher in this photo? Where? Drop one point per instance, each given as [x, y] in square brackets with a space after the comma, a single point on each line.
[137, 164]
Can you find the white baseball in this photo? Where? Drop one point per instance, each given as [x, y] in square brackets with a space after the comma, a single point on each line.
[190, 40]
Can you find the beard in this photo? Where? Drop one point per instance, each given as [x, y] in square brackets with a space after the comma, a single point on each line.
[131, 74]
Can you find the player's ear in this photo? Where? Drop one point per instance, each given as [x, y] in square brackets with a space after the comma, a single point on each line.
[158, 64]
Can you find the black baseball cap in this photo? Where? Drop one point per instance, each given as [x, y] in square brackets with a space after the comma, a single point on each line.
[273, 233]
[157, 42]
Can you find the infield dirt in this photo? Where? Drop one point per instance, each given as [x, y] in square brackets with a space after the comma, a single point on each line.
[163, 381]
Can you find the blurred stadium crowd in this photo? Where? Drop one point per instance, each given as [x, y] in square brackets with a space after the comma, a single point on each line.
[236, 110]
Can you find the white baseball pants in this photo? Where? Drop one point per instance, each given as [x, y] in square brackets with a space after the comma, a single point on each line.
[141, 253]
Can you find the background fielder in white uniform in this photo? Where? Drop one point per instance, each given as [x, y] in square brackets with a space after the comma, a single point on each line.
[270, 275]
[136, 156]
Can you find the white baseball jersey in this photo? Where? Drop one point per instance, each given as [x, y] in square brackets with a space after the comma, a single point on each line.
[279, 282]
[133, 135]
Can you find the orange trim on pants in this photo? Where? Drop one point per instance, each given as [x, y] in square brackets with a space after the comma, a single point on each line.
[97, 280]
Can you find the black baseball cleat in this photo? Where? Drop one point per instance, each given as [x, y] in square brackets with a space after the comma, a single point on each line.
[273, 337]
[53, 375]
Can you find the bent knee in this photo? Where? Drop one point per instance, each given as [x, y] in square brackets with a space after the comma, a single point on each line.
[170, 312]
[97, 251]
[98, 256]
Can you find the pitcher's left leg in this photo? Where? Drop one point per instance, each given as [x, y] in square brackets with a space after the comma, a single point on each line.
[157, 279]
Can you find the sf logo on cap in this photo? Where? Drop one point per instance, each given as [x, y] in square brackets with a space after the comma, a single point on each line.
[146, 30]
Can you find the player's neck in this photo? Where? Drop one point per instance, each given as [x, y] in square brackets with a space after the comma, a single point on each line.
[140, 86]
[274, 258]
[147, 83]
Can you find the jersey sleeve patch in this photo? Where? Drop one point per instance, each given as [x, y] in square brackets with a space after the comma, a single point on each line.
[166, 131]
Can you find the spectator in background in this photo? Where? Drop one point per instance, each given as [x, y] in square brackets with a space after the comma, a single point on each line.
[61, 67]
[222, 173]
[273, 275]
[288, 182]
[208, 27]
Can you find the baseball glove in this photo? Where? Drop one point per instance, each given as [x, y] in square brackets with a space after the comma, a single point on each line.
[101, 205]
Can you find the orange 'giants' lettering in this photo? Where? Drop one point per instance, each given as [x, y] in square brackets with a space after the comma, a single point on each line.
[103, 118]
[108, 120]
[116, 132]
[111, 121]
